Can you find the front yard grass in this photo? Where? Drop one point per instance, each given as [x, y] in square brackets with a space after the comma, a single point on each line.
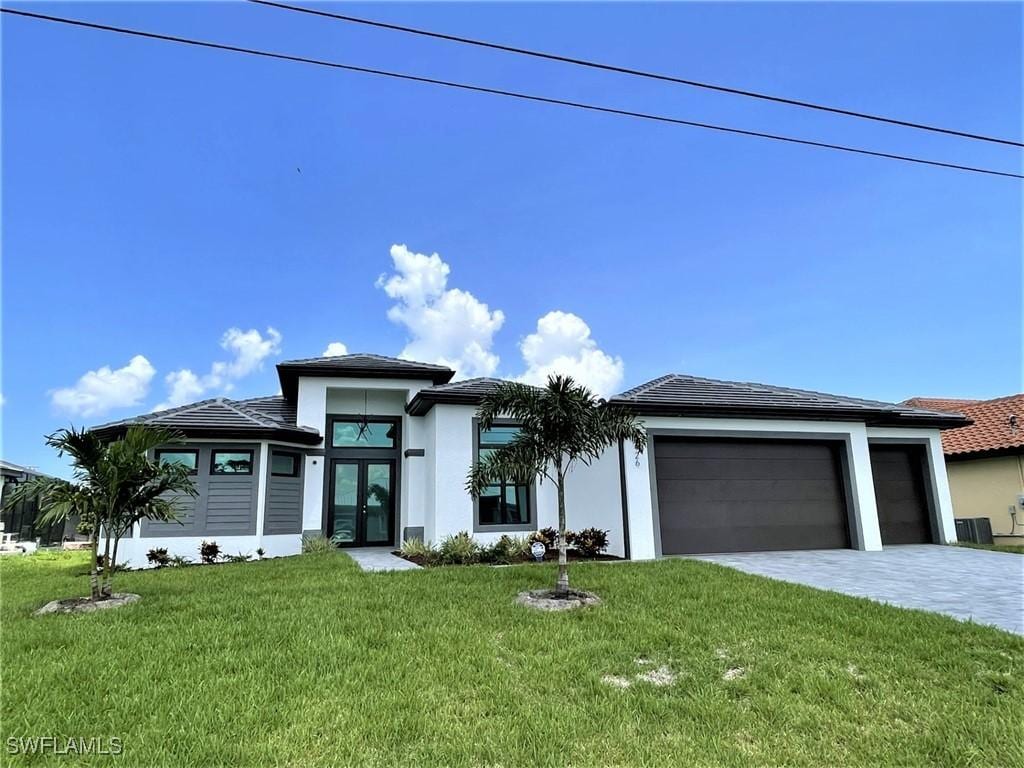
[308, 661]
[1017, 549]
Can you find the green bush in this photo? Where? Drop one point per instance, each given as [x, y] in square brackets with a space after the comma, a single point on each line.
[209, 551]
[549, 538]
[239, 558]
[317, 545]
[158, 556]
[508, 549]
[459, 549]
[590, 542]
[416, 550]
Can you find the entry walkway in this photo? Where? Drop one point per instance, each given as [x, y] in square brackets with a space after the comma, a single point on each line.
[379, 559]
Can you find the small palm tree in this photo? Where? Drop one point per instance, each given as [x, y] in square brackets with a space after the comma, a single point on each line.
[559, 425]
[115, 485]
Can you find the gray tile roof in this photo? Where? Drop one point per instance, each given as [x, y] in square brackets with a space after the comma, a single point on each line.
[358, 365]
[464, 392]
[682, 395]
[263, 418]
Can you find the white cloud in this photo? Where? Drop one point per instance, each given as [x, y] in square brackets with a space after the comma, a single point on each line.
[448, 326]
[249, 349]
[562, 344]
[104, 389]
[335, 349]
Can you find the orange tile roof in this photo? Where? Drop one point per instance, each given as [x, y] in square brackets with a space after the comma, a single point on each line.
[998, 423]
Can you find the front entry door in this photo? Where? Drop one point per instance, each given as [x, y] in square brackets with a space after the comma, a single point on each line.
[362, 511]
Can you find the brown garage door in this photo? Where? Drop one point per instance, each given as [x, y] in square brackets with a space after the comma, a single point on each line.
[903, 516]
[746, 495]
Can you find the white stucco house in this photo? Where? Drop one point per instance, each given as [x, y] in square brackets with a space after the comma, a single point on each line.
[371, 450]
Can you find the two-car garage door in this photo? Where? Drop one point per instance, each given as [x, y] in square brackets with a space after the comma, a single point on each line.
[742, 495]
[731, 495]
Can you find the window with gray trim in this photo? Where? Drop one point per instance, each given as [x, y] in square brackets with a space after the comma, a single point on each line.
[231, 463]
[183, 456]
[284, 464]
[506, 503]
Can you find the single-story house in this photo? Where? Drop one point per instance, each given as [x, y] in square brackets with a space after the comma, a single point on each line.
[985, 461]
[372, 450]
[19, 520]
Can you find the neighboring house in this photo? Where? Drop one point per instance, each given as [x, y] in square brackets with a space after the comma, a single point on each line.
[729, 467]
[985, 461]
[20, 519]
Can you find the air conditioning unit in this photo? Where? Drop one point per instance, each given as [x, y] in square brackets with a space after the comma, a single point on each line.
[976, 530]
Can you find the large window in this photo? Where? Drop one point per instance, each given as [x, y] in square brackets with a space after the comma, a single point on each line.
[354, 434]
[187, 459]
[505, 503]
[231, 463]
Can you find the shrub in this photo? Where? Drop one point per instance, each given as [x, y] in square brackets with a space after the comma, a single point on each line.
[209, 551]
[508, 549]
[260, 552]
[418, 551]
[459, 549]
[177, 561]
[590, 542]
[158, 557]
[317, 545]
[549, 537]
[239, 558]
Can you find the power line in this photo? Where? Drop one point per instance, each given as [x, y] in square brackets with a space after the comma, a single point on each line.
[631, 71]
[499, 92]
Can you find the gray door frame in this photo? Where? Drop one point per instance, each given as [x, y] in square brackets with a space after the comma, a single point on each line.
[931, 488]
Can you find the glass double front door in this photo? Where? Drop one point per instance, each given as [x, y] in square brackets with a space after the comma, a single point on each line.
[362, 511]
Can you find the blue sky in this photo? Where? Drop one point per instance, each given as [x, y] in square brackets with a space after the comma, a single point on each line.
[156, 196]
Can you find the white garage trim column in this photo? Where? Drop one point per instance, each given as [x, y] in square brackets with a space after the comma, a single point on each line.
[640, 503]
[938, 481]
[866, 530]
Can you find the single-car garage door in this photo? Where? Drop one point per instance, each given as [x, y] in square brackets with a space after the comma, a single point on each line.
[898, 471]
[729, 495]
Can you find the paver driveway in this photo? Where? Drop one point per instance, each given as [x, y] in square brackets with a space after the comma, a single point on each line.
[976, 584]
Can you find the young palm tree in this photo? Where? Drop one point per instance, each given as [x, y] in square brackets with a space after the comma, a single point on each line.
[559, 425]
[115, 485]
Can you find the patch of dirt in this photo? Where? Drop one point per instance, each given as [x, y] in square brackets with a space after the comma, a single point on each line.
[616, 682]
[86, 605]
[660, 676]
[734, 673]
[546, 600]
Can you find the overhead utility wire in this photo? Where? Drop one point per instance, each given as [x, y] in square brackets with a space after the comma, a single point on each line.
[630, 71]
[498, 92]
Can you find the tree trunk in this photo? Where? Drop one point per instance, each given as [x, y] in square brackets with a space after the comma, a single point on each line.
[106, 557]
[562, 585]
[108, 585]
[94, 574]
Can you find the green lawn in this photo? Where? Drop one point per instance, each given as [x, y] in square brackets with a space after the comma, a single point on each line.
[1017, 549]
[307, 661]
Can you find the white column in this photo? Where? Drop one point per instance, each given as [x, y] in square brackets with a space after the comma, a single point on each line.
[641, 507]
[261, 491]
[313, 494]
[865, 510]
[940, 489]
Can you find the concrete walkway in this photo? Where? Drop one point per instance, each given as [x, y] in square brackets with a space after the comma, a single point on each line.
[379, 559]
[980, 585]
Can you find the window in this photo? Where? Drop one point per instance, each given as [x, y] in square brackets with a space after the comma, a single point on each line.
[187, 459]
[378, 434]
[231, 463]
[506, 503]
[284, 464]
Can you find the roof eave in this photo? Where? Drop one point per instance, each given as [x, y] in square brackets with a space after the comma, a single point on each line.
[284, 434]
[289, 376]
[424, 400]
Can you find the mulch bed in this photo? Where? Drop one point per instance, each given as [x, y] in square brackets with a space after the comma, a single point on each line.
[550, 556]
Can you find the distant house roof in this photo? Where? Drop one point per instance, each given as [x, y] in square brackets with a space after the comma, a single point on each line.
[267, 418]
[12, 470]
[682, 395]
[358, 365]
[998, 426]
[465, 392]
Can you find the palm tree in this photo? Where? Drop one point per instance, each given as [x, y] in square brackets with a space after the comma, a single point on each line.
[115, 485]
[559, 425]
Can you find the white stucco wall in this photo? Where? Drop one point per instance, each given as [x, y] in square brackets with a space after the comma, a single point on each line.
[938, 476]
[642, 497]
[132, 552]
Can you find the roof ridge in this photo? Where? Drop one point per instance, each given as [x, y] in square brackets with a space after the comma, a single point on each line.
[640, 388]
[372, 355]
[236, 405]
